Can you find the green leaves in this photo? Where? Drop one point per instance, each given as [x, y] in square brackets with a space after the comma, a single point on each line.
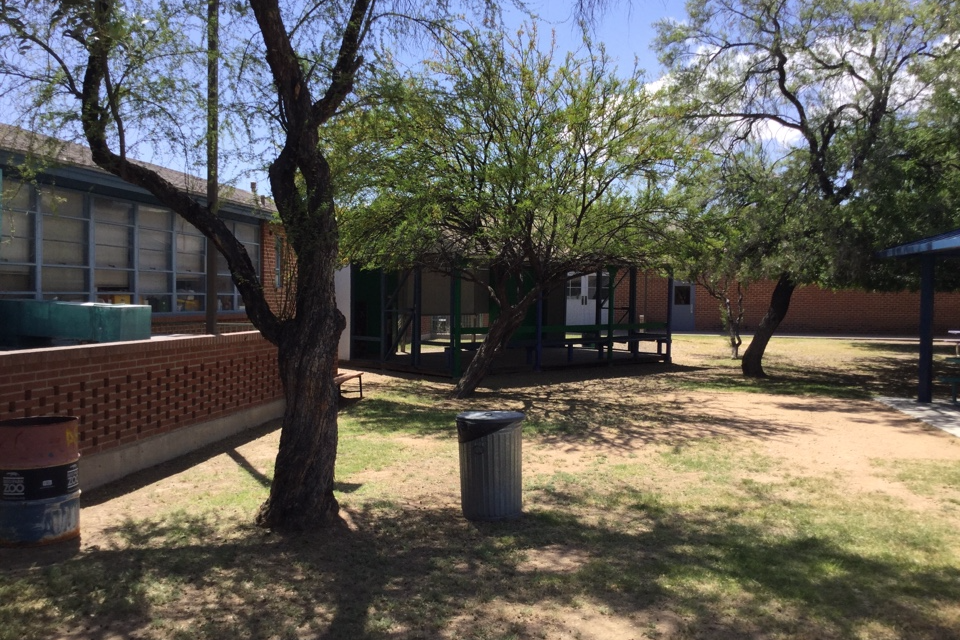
[506, 156]
[809, 104]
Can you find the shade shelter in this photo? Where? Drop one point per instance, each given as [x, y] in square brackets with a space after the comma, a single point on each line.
[406, 319]
[928, 250]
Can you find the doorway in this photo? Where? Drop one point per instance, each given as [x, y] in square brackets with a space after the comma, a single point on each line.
[681, 301]
[581, 296]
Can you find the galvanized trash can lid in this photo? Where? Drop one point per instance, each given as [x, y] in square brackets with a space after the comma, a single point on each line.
[472, 425]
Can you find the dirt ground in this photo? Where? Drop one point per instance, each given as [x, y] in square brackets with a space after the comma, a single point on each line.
[811, 435]
[578, 421]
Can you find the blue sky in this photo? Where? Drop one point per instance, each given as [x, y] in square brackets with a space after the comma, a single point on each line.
[624, 27]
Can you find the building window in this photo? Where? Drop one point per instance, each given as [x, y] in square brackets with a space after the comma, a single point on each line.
[114, 259]
[64, 228]
[191, 267]
[154, 257]
[18, 234]
[228, 298]
[57, 244]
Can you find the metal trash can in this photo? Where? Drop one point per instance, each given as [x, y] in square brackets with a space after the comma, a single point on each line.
[491, 482]
[40, 502]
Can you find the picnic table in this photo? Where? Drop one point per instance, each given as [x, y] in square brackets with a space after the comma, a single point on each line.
[955, 340]
[953, 381]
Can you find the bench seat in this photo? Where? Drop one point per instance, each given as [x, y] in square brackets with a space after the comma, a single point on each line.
[340, 378]
[953, 381]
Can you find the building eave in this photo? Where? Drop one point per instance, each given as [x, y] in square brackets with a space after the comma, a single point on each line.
[71, 165]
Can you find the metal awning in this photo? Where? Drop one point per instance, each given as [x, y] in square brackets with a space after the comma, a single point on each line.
[930, 249]
[943, 245]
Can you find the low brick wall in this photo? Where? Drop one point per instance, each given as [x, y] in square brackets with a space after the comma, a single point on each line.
[130, 391]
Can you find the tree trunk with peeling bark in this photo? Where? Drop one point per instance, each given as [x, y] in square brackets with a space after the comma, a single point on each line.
[301, 494]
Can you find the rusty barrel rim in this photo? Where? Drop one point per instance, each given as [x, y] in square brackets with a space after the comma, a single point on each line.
[39, 441]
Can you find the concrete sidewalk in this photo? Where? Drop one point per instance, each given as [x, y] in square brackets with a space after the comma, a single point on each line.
[941, 414]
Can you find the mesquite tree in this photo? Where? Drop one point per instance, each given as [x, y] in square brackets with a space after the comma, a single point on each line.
[818, 84]
[506, 161]
[707, 243]
[119, 71]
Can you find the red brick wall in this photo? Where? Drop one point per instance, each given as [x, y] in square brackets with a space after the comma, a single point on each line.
[124, 392]
[283, 297]
[812, 310]
[165, 325]
[651, 297]
[815, 310]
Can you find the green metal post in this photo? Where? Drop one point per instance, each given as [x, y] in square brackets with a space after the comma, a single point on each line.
[610, 286]
[417, 315]
[455, 338]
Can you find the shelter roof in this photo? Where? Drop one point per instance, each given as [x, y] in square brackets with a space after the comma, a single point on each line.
[945, 244]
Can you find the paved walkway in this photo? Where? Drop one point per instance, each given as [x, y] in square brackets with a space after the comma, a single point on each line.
[941, 414]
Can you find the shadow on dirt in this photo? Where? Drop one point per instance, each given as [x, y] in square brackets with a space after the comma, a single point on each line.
[429, 573]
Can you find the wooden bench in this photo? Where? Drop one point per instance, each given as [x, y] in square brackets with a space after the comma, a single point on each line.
[631, 340]
[955, 342]
[597, 337]
[350, 375]
[953, 381]
[583, 341]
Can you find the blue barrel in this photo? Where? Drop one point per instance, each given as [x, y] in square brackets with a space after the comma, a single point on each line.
[39, 469]
[491, 479]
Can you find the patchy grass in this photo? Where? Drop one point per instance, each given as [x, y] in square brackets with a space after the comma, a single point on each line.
[936, 479]
[846, 369]
[643, 519]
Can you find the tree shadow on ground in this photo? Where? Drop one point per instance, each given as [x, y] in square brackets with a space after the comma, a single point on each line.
[902, 347]
[871, 376]
[145, 477]
[429, 573]
[228, 446]
[554, 417]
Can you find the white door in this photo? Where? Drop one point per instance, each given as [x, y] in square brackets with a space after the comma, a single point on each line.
[582, 294]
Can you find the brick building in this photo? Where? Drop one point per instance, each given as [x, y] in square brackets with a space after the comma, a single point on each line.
[74, 233]
[78, 234]
[816, 311]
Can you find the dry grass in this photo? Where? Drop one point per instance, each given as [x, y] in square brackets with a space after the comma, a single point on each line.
[684, 503]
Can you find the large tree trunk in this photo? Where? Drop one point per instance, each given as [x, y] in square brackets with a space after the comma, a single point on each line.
[500, 332]
[752, 363]
[301, 494]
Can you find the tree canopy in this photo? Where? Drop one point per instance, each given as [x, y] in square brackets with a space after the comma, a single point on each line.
[506, 162]
[808, 97]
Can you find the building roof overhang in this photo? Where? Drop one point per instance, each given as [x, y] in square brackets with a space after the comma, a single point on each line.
[71, 166]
